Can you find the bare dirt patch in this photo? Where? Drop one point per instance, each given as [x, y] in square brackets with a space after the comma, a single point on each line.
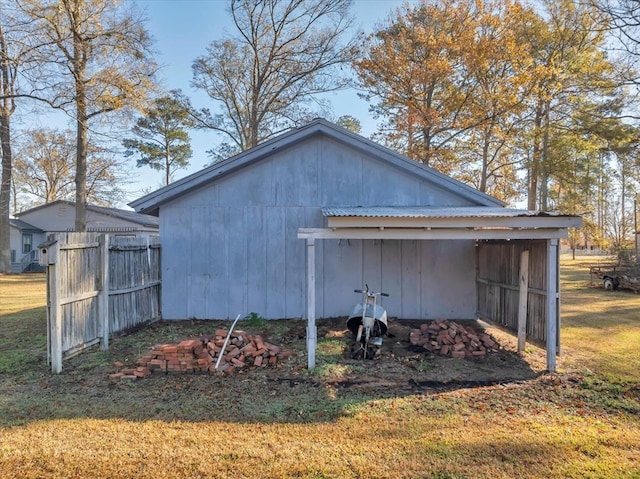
[400, 369]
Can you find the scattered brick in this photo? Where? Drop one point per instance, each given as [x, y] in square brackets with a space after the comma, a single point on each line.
[201, 355]
[450, 339]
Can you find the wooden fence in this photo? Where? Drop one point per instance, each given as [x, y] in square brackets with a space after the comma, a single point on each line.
[98, 284]
[503, 297]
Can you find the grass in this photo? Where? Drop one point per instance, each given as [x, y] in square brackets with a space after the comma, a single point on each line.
[583, 422]
[23, 316]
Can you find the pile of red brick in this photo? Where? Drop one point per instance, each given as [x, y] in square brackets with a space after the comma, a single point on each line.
[453, 340]
[242, 350]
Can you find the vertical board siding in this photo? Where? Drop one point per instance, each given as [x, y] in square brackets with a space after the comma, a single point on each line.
[498, 285]
[241, 230]
[133, 289]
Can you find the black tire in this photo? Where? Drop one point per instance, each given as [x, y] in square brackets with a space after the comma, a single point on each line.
[609, 284]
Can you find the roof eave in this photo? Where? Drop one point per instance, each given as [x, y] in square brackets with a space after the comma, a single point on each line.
[152, 201]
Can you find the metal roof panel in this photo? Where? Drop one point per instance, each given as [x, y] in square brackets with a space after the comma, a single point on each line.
[429, 212]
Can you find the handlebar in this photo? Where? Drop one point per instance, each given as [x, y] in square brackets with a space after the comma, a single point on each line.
[369, 292]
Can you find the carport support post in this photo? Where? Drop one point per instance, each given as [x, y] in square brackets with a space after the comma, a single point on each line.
[312, 337]
[552, 303]
[522, 301]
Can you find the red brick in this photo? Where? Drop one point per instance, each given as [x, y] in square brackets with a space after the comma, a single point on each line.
[257, 361]
[272, 348]
[458, 354]
[248, 349]
[115, 375]
[144, 360]
[237, 362]
[142, 372]
[233, 353]
[160, 364]
[285, 354]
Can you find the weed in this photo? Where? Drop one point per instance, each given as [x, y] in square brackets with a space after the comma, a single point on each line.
[254, 321]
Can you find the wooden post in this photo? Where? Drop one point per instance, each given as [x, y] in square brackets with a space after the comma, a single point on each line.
[55, 309]
[103, 295]
[552, 303]
[522, 302]
[312, 338]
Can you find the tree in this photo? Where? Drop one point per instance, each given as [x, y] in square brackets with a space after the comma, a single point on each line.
[14, 54]
[7, 107]
[95, 59]
[570, 63]
[350, 123]
[624, 16]
[44, 166]
[44, 169]
[428, 67]
[285, 54]
[162, 138]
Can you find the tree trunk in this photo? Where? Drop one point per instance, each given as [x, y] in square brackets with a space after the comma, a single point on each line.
[81, 163]
[79, 70]
[488, 130]
[5, 193]
[544, 164]
[6, 109]
[534, 169]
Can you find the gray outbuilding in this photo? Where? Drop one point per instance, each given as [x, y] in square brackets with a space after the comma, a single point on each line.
[290, 228]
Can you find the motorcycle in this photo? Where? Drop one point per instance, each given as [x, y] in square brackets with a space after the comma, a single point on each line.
[368, 324]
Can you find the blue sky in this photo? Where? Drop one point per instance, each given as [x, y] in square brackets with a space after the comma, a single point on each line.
[182, 29]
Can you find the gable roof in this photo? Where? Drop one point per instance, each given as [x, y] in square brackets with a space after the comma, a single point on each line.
[131, 216]
[151, 202]
[23, 226]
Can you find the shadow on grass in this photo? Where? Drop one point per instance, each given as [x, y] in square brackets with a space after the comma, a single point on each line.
[338, 387]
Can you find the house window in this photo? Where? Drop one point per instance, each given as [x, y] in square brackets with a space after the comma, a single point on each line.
[27, 242]
[13, 256]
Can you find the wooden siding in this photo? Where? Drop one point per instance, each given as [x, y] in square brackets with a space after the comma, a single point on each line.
[498, 285]
[231, 247]
[91, 276]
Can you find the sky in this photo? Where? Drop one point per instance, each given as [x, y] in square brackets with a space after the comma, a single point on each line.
[182, 29]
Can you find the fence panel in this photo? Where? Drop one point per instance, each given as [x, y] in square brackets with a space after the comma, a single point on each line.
[98, 285]
[498, 285]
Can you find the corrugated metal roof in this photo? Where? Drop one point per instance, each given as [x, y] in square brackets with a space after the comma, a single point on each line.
[429, 212]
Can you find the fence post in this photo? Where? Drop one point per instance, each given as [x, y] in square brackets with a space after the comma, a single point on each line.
[55, 311]
[103, 299]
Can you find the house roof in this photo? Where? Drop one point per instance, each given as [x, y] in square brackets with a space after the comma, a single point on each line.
[151, 202]
[126, 215]
[23, 225]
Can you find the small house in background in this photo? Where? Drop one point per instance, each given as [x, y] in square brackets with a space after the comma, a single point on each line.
[59, 216]
[29, 228]
[24, 239]
[290, 228]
